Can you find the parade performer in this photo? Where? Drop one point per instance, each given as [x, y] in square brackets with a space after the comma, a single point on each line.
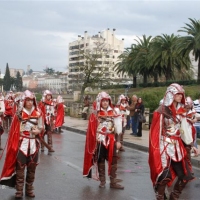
[189, 131]
[2, 110]
[47, 107]
[103, 141]
[121, 108]
[23, 147]
[17, 101]
[167, 154]
[8, 114]
[60, 113]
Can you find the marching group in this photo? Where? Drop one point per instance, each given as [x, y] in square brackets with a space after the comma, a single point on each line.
[27, 123]
[172, 138]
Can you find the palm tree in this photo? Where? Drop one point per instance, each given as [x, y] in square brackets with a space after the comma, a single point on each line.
[165, 57]
[191, 42]
[123, 65]
[134, 60]
[140, 55]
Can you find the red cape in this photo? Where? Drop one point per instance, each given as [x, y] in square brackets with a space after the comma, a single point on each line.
[42, 107]
[8, 108]
[154, 148]
[8, 172]
[60, 115]
[90, 146]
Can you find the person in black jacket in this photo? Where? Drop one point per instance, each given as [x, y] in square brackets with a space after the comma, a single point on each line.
[139, 110]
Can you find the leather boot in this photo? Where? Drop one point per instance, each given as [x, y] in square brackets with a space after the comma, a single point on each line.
[5, 124]
[9, 122]
[30, 177]
[118, 180]
[49, 138]
[42, 145]
[122, 141]
[113, 180]
[122, 147]
[59, 130]
[84, 116]
[178, 187]
[160, 190]
[19, 180]
[188, 150]
[102, 177]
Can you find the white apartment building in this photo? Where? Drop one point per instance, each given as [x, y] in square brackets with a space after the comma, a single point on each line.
[54, 84]
[112, 47]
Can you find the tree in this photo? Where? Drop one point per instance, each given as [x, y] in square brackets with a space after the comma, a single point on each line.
[140, 57]
[92, 67]
[123, 65]
[49, 71]
[30, 71]
[134, 60]
[58, 73]
[7, 79]
[18, 82]
[12, 82]
[165, 58]
[191, 42]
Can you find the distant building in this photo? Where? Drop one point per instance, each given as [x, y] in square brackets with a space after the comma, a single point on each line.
[29, 82]
[56, 84]
[13, 72]
[113, 47]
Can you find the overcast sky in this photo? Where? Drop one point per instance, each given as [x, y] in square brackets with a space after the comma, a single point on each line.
[37, 33]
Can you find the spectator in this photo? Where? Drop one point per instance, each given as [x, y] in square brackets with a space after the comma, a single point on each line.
[128, 125]
[103, 140]
[197, 124]
[121, 108]
[133, 118]
[139, 110]
[86, 103]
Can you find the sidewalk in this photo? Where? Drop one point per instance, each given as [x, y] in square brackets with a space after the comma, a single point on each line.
[80, 126]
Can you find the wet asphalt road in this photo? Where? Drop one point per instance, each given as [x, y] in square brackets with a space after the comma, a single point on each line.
[59, 175]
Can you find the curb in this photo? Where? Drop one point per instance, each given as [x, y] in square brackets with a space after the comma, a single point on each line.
[195, 163]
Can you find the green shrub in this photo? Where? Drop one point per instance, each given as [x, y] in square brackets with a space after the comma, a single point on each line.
[38, 97]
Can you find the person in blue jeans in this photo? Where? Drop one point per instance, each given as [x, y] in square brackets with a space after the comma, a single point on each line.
[197, 124]
[139, 110]
[134, 119]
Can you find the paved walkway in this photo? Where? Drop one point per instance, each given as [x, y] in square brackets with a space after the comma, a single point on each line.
[141, 143]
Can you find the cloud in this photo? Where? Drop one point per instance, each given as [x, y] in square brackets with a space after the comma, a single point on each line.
[37, 33]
